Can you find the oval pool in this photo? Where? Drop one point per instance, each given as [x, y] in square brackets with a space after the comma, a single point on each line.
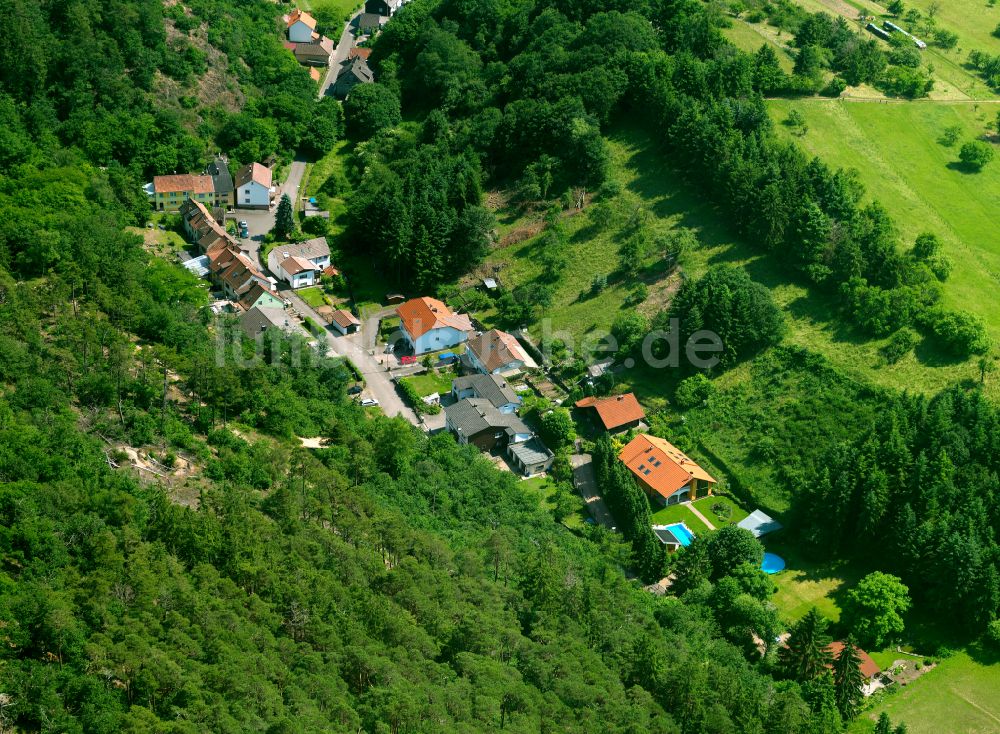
[772, 563]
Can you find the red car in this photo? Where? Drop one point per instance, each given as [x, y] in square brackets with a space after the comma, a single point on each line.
[407, 360]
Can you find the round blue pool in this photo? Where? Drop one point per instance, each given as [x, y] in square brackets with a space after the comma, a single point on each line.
[772, 563]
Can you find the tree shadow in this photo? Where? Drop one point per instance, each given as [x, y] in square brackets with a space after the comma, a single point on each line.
[929, 354]
[965, 168]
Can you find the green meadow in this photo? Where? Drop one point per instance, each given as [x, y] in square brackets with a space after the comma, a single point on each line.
[896, 150]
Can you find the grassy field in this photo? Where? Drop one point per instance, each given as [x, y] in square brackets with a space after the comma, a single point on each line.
[813, 322]
[960, 696]
[805, 584]
[327, 179]
[736, 513]
[750, 37]
[332, 8]
[895, 149]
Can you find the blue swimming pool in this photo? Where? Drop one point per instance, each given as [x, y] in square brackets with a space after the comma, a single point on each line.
[681, 532]
[772, 563]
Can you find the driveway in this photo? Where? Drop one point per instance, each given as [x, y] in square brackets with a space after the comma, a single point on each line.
[586, 484]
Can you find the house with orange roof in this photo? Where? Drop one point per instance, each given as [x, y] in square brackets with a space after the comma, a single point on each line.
[494, 351]
[253, 187]
[429, 325]
[615, 413]
[301, 26]
[868, 667]
[168, 193]
[665, 472]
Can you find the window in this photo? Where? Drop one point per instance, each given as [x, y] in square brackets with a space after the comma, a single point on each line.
[247, 200]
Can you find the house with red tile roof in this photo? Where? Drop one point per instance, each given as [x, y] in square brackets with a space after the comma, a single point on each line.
[615, 413]
[495, 351]
[869, 668]
[665, 472]
[429, 325]
[301, 26]
[253, 187]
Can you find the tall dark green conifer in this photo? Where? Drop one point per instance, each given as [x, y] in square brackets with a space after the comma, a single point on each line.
[847, 680]
[806, 656]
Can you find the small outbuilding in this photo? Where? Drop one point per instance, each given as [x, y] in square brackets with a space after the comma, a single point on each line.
[759, 523]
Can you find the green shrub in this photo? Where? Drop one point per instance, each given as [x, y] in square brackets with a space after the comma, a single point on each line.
[899, 345]
[693, 391]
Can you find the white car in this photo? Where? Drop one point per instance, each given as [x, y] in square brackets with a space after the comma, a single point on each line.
[369, 402]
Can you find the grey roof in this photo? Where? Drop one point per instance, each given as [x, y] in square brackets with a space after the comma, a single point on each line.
[310, 249]
[666, 537]
[258, 320]
[369, 20]
[759, 523]
[359, 69]
[222, 180]
[532, 451]
[491, 387]
[475, 415]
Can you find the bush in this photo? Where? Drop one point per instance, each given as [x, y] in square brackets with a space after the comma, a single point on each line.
[899, 345]
[992, 636]
[960, 333]
[693, 391]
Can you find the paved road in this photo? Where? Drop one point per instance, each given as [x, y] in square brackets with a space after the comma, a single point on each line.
[344, 46]
[378, 382]
[586, 484]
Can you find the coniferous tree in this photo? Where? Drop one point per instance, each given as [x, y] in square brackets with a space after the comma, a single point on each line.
[847, 680]
[806, 656]
[284, 219]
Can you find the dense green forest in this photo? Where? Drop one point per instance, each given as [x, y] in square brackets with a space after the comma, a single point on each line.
[526, 88]
[392, 582]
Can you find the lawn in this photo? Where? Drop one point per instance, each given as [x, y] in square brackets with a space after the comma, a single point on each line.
[313, 296]
[679, 513]
[736, 513]
[960, 696]
[895, 149]
[430, 382]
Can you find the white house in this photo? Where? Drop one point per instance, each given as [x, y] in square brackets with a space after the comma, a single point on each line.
[429, 325]
[301, 26]
[253, 187]
[300, 264]
[491, 388]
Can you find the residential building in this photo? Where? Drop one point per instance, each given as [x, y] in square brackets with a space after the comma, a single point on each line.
[428, 325]
[495, 351]
[253, 187]
[203, 229]
[168, 193]
[487, 387]
[300, 264]
[259, 320]
[531, 456]
[359, 52]
[345, 322]
[869, 668]
[615, 413]
[476, 421]
[665, 472]
[316, 52]
[369, 23]
[259, 295]
[222, 183]
[301, 26]
[351, 74]
[382, 7]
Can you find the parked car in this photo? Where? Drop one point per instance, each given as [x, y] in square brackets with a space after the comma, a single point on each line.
[354, 390]
[407, 360]
[369, 403]
[244, 229]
